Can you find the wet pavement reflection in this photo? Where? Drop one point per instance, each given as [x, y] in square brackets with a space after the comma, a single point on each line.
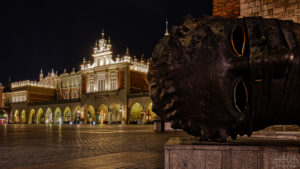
[82, 146]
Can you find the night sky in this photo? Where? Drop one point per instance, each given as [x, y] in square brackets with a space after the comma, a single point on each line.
[49, 34]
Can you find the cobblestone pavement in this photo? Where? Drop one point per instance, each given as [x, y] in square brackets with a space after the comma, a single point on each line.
[82, 146]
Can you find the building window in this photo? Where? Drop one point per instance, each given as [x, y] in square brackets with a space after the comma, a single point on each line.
[75, 95]
[66, 95]
[91, 88]
[101, 83]
[113, 81]
[91, 84]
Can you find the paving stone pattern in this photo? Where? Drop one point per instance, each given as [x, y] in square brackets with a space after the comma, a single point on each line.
[82, 146]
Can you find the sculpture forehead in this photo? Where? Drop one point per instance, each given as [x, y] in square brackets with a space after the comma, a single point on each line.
[264, 37]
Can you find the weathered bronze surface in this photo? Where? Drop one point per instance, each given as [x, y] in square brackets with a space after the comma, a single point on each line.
[215, 77]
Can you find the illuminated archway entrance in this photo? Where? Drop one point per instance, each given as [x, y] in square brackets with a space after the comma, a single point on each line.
[3, 117]
[16, 116]
[67, 115]
[115, 113]
[150, 115]
[23, 116]
[57, 116]
[39, 116]
[49, 116]
[76, 115]
[136, 112]
[90, 115]
[103, 114]
[30, 118]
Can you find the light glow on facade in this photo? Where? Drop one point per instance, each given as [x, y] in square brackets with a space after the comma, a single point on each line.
[102, 56]
[97, 93]
[31, 83]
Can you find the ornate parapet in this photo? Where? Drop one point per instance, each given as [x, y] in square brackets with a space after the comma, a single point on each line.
[30, 83]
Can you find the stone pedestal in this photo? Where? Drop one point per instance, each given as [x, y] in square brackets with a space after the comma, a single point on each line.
[158, 126]
[243, 153]
[166, 127]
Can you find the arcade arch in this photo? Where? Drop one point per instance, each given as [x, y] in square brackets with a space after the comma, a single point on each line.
[23, 117]
[150, 115]
[67, 115]
[77, 115]
[115, 113]
[16, 116]
[30, 118]
[136, 112]
[90, 114]
[57, 116]
[39, 118]
[49, 116]
[103, 113]
[3, 117]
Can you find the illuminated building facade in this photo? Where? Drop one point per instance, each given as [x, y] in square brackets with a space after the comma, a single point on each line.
[3, 108]
[107, 90]
[2, 99]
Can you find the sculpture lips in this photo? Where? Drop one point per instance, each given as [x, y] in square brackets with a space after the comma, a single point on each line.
[217, 77]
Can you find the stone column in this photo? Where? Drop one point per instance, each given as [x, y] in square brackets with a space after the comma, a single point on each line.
[126, 94]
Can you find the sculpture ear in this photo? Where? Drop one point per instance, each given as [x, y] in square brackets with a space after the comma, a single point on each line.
[238, 40]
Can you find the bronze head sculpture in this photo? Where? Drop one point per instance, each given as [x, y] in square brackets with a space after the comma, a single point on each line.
[215, 77]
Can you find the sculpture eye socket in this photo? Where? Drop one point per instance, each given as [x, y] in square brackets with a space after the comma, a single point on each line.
[240, 96]
[238, 40]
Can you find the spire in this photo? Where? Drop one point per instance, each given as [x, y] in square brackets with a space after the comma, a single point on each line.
[65, 70]
[118, 58]
[143, 59]
[127, 57]
[109, 40]
[102, 33]
[167, 32]
[41, 75]
[52, 72]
